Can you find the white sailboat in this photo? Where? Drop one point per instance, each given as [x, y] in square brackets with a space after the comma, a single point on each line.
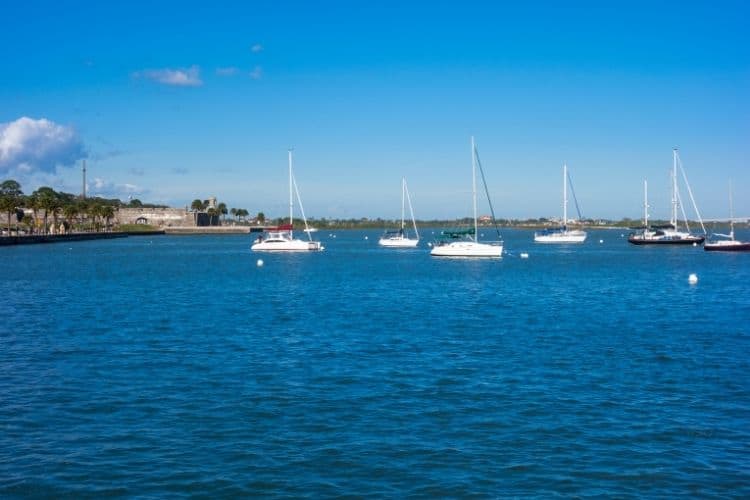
[466, 243]
[562, 234]
[670, 234]
[400, 238]
[281, 238]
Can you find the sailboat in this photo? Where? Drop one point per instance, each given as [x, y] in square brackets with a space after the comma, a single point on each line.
[466, 243]
[729, 244]
[400, 238]
[281, 238]
[669, 234]
[562, 234]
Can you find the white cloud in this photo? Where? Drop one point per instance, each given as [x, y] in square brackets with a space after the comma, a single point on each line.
[257, 48]
[181, 77]
[256, 73]
[28, 146]
[108, 189]
[229, 71]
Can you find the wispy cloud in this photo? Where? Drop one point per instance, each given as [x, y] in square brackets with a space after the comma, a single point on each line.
[256, 48]
[181, 77]
[108, 189]
[106, 155]
[180, 171]
[228, 71]
[256, 73]
[28, 146]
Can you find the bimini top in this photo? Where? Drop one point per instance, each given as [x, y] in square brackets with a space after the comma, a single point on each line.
[455, 234]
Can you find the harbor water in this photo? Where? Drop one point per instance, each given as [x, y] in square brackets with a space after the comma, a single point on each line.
[176, 366]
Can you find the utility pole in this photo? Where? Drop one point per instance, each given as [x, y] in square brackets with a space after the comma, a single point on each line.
[83, 169]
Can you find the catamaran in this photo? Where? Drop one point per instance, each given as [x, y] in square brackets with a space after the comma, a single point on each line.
[465, 243]
[728, 244]
[562, 234]
[281, 238]
[400, 238]
[669, 234]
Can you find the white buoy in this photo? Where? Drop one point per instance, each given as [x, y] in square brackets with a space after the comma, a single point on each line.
[693, 279]
[601, 241]
[429, 244]
[695, 244]
[259, 263]
[524, 255]
[367, 237]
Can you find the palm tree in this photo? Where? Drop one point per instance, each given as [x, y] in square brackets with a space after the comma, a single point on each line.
[212, 213]
[70, 211]
[261, 218]
[95, 211]
[108, 212]
[233, 212]
[47, 199]
[32, 201]
[197, 205]
[222, 209]
[55, 208]
[10, 198]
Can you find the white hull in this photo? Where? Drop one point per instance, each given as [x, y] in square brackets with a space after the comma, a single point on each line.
[561, 237]
[287, 246]
[398, 242]
[468, 249]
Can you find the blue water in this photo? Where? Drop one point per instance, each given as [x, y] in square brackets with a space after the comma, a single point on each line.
[174, 365]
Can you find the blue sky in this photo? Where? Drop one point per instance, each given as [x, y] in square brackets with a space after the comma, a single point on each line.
[171, 101]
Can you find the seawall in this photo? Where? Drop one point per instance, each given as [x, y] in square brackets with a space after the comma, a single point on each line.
[207, 230]
[58, 238]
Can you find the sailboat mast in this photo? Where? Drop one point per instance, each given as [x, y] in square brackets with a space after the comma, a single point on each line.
[403, 187]
[673, 218]
[474, 184]
[291, 198]
[645, 204]
[731, 213]
[565, 195]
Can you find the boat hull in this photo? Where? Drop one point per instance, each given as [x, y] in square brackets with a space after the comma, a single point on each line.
[398, 242]
[468, 249]
[287, 246]
[725, 246]
[566, 237]
[635, 240]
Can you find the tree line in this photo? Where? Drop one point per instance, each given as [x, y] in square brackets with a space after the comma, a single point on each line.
[238, 214]
[51, 209]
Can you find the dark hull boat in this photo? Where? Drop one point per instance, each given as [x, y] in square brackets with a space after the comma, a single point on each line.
[641, 239]
[727, 246]
[668, 234]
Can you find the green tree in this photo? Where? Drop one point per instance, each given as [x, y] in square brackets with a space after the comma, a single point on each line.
[197, 205]
[10, 198]
[95, 211]
[222, 209]
[233, 212]
[135, 203]
[261, 218]
[32, 201]
[70, 212]
[47, 199]
[107, 212]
